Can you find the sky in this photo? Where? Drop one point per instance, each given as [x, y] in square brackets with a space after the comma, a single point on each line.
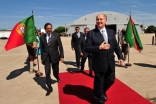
[61, 12]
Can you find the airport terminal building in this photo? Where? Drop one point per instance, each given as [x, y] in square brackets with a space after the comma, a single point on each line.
[115, 21]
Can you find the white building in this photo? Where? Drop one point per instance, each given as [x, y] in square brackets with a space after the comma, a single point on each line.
[115, 21]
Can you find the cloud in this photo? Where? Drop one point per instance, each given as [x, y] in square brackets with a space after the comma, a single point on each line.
[43, 8]
[130, 2]
[39, 16]
[65, 15]
[55, 16]
[103, 3]
[144, 17]
[20, 12]
[134, 6]
[6, 16]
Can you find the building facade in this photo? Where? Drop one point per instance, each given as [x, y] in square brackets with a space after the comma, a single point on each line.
[115, 21]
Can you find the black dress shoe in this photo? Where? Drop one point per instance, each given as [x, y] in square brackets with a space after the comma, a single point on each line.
[48, 92]
[81, 70]
[105, 97]
[100, 102]
[58, 80]
[91, 75]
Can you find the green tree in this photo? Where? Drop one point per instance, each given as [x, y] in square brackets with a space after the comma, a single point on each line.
[60, 30]
[151, 29]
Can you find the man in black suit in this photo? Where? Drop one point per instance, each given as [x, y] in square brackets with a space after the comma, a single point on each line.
[74, 44]
[51, 54]
[83, 53]
[101, 42]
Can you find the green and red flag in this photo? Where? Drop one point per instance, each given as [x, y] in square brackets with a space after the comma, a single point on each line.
[23, 32]
[132, 36]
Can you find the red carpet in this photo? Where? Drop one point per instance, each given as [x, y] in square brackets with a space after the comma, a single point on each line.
[77, 88]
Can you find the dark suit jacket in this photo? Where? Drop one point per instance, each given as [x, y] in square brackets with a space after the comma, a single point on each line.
[75, 40]
[55, 50]
[81, 46]
[102, 59]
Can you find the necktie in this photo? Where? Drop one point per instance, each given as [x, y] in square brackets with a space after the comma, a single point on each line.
[49, 39]
[104, 36]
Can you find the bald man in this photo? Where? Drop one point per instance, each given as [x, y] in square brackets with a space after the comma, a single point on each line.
[101, 42]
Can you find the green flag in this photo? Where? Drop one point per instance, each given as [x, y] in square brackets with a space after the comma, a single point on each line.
[30, 30]
[23, 32]
[132, 36]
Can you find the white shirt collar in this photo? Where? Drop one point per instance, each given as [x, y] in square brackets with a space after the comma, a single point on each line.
[48, 35]
[103, 29]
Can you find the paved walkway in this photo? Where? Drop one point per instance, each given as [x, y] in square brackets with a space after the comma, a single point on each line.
[17, 86]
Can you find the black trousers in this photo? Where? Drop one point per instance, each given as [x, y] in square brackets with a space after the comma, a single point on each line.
[102, 82]
[90, 62]
[55, 68]
[83, 60]
[77, 55]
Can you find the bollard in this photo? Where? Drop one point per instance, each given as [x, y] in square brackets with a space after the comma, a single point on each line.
[152, 40]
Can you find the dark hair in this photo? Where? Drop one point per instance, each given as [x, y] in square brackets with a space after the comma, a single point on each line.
[38, 31]
[47, 25]
[77, 27]
[123, 32]
[86, 28]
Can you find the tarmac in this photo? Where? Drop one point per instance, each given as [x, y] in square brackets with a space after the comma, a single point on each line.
[17, 86]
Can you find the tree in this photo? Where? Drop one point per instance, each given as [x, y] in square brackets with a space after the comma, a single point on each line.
[151, 29]
[60, 30]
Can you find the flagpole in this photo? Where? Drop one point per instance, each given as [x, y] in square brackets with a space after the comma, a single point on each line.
[38, 73]
[128, 64]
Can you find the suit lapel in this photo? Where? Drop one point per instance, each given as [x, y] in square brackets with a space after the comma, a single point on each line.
[99, 35]
[52, 38]
[45, 39]
[109, 36]
[83, 38]
[76, 35]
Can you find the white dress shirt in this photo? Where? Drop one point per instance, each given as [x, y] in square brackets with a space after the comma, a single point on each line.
[78, 34]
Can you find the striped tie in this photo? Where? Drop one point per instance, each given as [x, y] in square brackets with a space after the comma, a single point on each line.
[49, 39]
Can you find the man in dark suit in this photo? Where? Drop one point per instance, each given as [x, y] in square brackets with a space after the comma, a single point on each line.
[83, 53]
[101, 42]
[74, 44]
[51, 54]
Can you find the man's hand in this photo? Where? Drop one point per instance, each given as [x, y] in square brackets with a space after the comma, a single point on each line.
[104, 46]
[81, 54]
[121, 62]
[35, 47]
[73, 49]
[62, 59]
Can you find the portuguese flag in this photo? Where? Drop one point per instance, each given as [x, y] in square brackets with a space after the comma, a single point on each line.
[132, 36]
[23, 32]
